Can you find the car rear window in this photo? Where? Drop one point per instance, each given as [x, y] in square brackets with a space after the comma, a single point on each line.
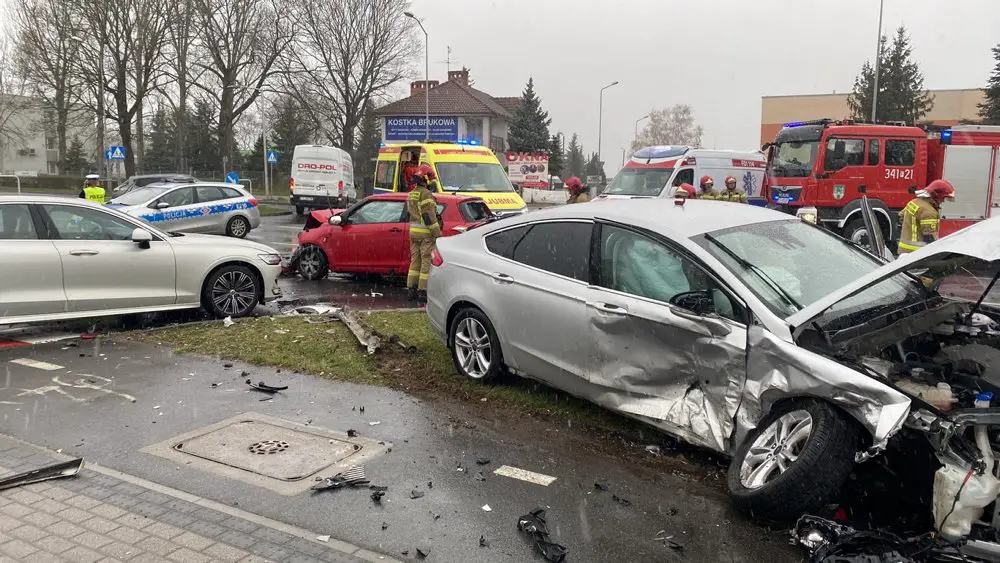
[474, 211]
[230, 192]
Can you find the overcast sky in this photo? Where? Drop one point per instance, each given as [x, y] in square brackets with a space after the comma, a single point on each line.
[719, 56]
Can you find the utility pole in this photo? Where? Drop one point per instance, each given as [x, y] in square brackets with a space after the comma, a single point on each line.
[427, 78]
[263, 140]
[878, 59]
[600, 121]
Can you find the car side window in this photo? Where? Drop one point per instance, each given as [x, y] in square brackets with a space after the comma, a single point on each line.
[209, 193]
[378, 212]
[230, 193]
[83, 223]
[560, 248]
[873, 152]
[385, 173]
[854, 154]
[685, 176]
[503, 243]
[16, 223]
[635, 264]
[181, 196]
[900, 153]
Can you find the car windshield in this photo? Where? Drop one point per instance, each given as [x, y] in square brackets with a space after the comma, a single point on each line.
[472, 177]
[790, 264]
[794, 159]
[639, 182]
[139, 196]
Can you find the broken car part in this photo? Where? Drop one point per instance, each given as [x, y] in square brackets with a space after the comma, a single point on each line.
[365, 335]
[534, 524]
[261, 386]
[54, 471]
[353, 477]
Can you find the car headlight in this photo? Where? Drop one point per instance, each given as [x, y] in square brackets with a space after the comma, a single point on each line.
[270, 259]
[808, 214]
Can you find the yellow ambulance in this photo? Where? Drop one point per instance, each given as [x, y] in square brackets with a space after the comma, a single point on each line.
[463, 169]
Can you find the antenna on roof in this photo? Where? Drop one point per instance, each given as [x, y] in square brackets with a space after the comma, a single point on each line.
[448, 60]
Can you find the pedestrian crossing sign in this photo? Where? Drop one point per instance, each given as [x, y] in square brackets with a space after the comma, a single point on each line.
[272, 157]
[117, 153]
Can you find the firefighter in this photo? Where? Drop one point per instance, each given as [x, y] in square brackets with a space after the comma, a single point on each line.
[92, 190]
[424, 230]
[410, 167]
[577, 191]
[686, 190]
[705, 188]
[732, 193]
[922, 216]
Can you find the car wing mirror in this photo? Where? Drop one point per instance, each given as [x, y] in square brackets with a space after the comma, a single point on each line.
[698, 302]
[162, 205]
[336, 220]
[142, 237]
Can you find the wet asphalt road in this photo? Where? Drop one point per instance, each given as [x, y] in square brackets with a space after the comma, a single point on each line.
[83, 406]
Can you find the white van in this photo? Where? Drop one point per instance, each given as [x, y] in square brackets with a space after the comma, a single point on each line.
[322, 177]
[657, 171]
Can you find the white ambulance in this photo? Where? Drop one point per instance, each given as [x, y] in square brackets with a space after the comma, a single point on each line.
[322, 178]
[657, 171]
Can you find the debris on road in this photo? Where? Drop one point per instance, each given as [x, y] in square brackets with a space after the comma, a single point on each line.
[668, 541]
[323, 539]
[377, 495]
[353, 477]
[621, 501]
[828, 541]
[423, 550]
[385, 526]
[280, 331]
[483, 461]
[415, 494]
[261, 386]
[228, 321]
[480, 477]
[410, 349]
[602, 486]
[351, 433]
[365, 335]
[655, 450]
[534, 524]
[54, 471]
[375, 423]
[486, 508]
[227, 365]
[483, 542]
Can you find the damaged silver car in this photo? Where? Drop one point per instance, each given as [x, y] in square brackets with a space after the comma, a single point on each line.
[743, 330]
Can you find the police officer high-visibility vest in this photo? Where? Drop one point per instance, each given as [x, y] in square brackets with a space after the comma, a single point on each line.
[94, 193]
[921, 221]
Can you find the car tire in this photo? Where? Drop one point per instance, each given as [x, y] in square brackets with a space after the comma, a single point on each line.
[475, 348]
[299, 210]
[232, 291]
[238, 227]
[313, 264]
[823, 460]
[855, 231]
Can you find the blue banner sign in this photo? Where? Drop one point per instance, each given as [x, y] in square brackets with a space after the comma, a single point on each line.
[413, 128]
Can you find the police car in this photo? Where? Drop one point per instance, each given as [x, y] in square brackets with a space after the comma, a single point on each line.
[204, 207]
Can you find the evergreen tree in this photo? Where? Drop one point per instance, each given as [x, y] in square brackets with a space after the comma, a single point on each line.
[556, 157]
[989, 110]
[161, 143]
[529, 132]
[76, 158]
[576, 164]
[368, 140]
[594, 167]
[291, 127]
[901, 94]
[203, 140]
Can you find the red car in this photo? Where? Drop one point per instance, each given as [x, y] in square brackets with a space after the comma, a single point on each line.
[373, 236]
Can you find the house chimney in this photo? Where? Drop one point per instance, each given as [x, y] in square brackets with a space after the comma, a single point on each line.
[418, 86]
[459, 76]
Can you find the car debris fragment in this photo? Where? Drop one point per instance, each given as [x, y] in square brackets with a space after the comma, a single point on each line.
[377, 494]
[228, 321]
[535, 525]
[54, 471]
[483, 542]
[385, 526]
[829, 542]
[602, 486]
[351, 433]
[621, 501]
[486, 508]
[483, 461]
[353, 477]
[323, 539]
[365, 335]
[668, 541]
[408, 348]
[261, 386]
[423, 550]
[415, 494]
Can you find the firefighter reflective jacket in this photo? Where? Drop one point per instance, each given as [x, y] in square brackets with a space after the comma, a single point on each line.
[581, 197]
[94, 193]
[738, 196]
[423, 213]
[921, 219]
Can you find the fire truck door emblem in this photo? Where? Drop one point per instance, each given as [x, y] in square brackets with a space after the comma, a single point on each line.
[838, 192]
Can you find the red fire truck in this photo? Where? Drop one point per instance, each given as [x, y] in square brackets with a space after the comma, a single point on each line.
[828, 165]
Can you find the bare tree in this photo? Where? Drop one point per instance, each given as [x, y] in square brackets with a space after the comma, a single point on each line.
[181, 38]
[243, 40]
[337, 69]
[131, 37]
[47, 53]
[673, 125]
[13, 103]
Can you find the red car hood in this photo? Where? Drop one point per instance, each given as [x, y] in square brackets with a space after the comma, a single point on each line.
[323, 215]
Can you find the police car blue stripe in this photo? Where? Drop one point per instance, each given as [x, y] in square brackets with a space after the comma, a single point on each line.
[177, 214]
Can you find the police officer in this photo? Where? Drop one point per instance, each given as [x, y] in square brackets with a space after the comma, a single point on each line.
[732, 193]
[577, 191]
[92, 190]
[706, 188]
[424, 230]
[922, 216]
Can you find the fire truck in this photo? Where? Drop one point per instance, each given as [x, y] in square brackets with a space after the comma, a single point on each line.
[828, 165]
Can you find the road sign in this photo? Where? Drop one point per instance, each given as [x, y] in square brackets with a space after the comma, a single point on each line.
[115, 153]
[272, 157]
[232, 178]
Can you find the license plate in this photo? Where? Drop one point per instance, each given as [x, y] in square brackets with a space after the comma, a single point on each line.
[306, 198]
[783, 199]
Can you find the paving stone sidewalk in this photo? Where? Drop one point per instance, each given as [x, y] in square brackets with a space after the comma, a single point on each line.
[105, 516]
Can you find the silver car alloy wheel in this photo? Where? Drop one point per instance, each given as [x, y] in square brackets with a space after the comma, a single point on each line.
[776, 449]
[309, 262]
[239, 227]
[234, 292]
[474, 349]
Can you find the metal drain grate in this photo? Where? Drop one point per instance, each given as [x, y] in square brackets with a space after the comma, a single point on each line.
[266, 447]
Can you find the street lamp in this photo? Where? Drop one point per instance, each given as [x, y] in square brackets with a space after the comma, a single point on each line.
[600, 119]
[878, 58]
[635, 136]
[427, 79]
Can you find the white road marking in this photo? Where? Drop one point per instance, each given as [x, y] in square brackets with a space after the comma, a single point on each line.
[36, 364]
[524, 475]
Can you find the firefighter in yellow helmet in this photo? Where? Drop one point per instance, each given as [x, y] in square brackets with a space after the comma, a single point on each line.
[424, 230]
[92, 190]
[922, 216]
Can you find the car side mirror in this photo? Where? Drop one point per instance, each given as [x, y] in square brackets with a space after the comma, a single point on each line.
[142, 237]
[336, 220]
[698, 302]
[162, 205]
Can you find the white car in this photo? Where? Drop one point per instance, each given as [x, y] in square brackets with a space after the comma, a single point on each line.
[70, 258]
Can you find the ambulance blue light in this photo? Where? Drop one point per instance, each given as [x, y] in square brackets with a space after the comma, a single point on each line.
[795, 124]
[473, 142]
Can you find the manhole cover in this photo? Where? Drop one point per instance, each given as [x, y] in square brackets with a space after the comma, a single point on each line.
[268, 447]
[287, 454]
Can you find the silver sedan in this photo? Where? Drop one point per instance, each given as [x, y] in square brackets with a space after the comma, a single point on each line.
[733, 327]
[213, 208]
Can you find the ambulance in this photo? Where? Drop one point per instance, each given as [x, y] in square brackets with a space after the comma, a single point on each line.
[657, 171]
[463, 169]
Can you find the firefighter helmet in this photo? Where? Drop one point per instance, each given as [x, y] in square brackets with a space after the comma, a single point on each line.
[707, 181]
[940, 190]
[574, 185]
[730, 179]
[427, 171]
[423, 176]
[684, 190]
